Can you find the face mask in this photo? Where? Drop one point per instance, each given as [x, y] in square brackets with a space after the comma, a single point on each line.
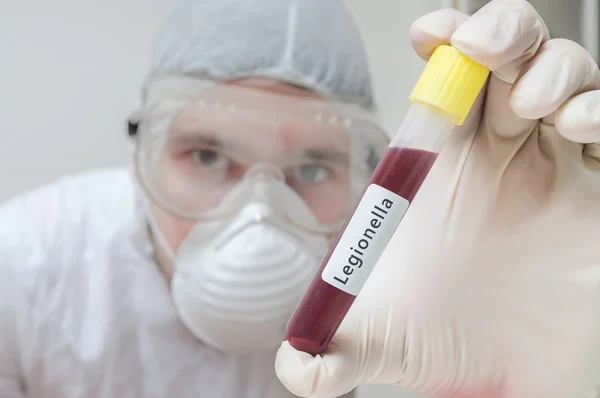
[237, 281]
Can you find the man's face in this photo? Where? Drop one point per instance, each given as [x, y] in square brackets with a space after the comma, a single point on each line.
[208, 150]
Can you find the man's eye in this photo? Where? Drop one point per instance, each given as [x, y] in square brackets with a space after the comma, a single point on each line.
[311, 173]
[212, 159]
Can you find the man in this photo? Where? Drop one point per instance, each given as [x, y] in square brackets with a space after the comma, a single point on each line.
[255, 137]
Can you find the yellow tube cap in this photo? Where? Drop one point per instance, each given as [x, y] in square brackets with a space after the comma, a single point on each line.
[450, 82]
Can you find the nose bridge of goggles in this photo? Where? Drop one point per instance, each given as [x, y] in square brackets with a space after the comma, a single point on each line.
[264, 182]
[265, 194]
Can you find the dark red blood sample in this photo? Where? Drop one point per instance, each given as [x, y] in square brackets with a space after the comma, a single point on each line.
[323, 307]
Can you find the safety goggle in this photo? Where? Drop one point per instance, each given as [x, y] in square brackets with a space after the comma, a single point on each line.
[197, 144]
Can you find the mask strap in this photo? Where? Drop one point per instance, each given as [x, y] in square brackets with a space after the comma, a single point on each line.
[156, 232]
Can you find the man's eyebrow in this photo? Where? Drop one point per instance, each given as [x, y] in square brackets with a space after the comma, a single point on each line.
[329, 155]
[189, 139]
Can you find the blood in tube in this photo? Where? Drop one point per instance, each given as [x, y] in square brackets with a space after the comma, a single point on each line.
[400, 173]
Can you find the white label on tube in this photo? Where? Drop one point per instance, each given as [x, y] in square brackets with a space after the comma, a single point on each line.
[366, 236]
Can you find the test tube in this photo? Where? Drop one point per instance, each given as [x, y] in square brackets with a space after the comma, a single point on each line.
[441, 100]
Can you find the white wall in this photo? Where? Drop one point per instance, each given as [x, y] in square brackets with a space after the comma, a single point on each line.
[70, 71]
[69, 76]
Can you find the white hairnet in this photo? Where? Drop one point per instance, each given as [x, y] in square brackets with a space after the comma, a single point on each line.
[314, 44]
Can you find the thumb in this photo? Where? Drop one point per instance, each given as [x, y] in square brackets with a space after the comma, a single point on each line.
[367, 348]
[503, 35]
[329, 375]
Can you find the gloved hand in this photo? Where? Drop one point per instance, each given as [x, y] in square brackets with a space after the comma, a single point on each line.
[491, 285]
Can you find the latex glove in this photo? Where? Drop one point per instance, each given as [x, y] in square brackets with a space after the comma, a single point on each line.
[491, 285]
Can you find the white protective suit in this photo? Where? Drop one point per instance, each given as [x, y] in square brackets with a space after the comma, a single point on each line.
[87, 313]
[491, 285]
[84, 309]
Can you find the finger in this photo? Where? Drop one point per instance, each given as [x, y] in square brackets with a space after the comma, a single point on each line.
[579, 118]
[560, 70]
[502, 35]
[592, 150]
[435, 29]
